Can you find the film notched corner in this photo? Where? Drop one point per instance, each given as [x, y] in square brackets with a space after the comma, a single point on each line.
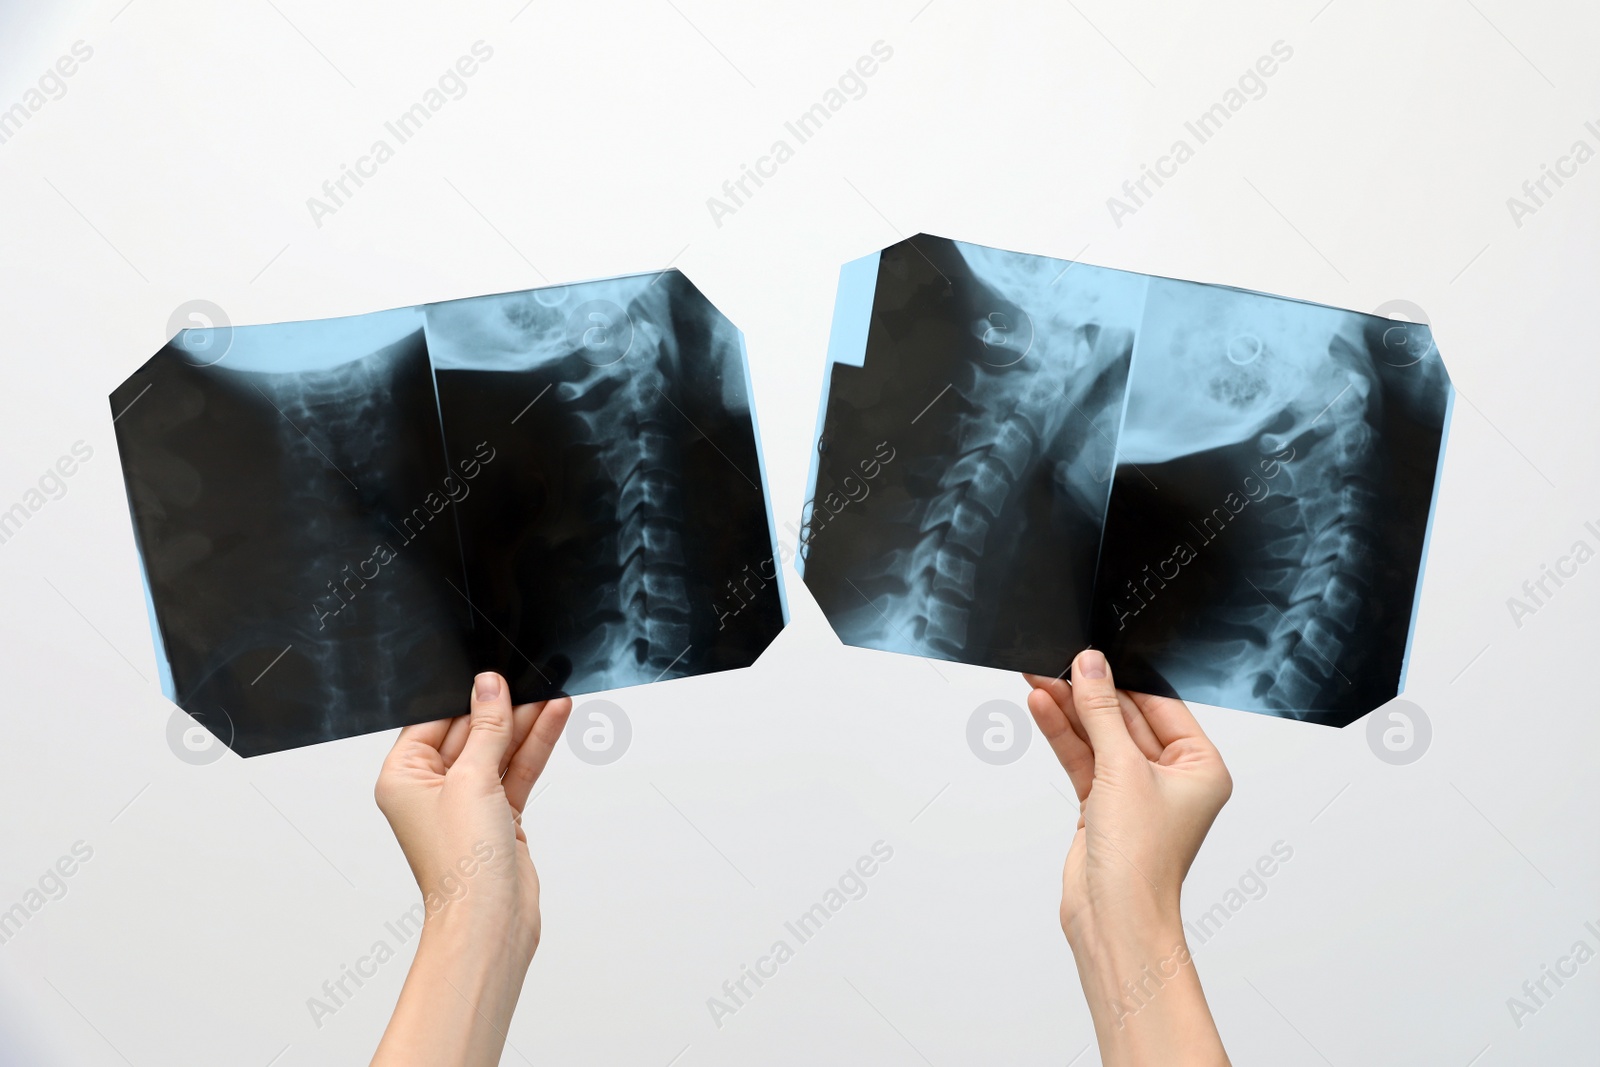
[341, 521]
[1229, 492]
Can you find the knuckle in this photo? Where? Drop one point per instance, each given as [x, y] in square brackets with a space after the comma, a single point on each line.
[489, 720]
[1100, 702]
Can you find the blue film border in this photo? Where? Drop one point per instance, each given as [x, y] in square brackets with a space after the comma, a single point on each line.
[847, 344]
[1427, 537]
[761, 463]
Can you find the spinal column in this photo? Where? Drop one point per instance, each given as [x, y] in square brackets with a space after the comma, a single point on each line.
[1025, 398]
[1217, 367]
[351, 449]
[611, 350]
[1318, 569]
[624, 409]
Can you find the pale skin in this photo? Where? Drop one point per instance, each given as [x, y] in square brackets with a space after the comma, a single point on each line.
[1149, 785]
[453, 791]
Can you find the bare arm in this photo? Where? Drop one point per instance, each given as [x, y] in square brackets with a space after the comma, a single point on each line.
[453, 791]
[1149, 785]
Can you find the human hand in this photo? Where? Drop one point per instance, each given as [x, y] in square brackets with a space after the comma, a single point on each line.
[1149, 785]
[453, 791]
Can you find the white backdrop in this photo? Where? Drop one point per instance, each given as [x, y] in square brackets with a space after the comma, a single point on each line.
[175, 164]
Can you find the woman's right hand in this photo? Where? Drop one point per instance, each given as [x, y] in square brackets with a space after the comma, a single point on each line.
[1149, 785]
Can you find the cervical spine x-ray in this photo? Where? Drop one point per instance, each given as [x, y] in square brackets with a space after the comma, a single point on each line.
[341, 521]
[1228, 492]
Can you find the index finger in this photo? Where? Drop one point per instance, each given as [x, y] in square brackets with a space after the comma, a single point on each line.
[1169, 718]
[417, 749]
[431, 734]
[527, 763]
[1073, 752]
[1060, 691]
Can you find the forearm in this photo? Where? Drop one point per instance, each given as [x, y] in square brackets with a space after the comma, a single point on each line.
[458, 998]
[1144, 996]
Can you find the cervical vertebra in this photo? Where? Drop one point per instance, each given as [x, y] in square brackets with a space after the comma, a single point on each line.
[1303, 596]
[616, 360]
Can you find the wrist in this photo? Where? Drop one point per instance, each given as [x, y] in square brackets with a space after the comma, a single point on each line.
[485, 938]
[1122, 973]
[1144, 993]
[460, 993]
[1140, 918]
[1111, 951]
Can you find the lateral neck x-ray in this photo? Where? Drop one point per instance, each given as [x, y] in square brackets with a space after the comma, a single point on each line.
[341, 521]
[1228, 492]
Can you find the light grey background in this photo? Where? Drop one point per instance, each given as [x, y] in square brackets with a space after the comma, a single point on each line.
[1377, 166]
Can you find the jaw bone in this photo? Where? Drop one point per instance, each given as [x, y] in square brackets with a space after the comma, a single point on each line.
[1294, 629]
[1232, 368]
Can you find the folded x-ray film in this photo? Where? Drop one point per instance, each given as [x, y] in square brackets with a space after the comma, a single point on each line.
[341, 521]
[1229, 493]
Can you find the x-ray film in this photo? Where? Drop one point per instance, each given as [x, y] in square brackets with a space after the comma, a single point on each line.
[341, 521]
[1229, 493]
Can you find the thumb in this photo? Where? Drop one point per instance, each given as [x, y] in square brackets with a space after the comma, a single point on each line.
[1094, 696]
[489, 733]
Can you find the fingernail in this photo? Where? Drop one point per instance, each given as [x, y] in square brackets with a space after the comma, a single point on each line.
[487, 686]
[1091, 664]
